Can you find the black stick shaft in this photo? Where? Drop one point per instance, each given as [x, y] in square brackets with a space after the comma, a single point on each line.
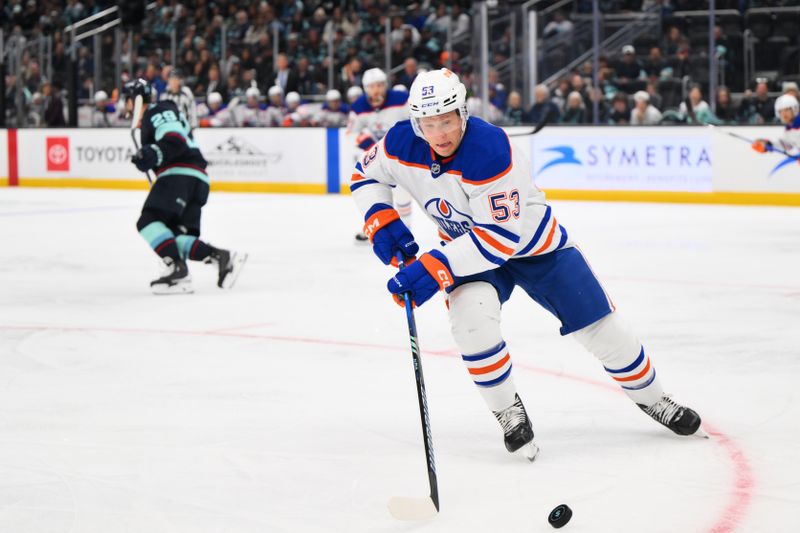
[427, 438]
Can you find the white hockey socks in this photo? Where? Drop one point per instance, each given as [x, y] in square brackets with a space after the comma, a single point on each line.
[623, 358]
[475, 323]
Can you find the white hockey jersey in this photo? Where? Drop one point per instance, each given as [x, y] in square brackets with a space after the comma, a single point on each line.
[790, 140]
[482, 198]
[369, 124]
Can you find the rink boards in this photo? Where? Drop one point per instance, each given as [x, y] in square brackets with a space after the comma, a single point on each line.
[672, 164]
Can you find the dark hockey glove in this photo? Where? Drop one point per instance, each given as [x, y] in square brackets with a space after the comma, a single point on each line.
[389, 235]
[146, 158]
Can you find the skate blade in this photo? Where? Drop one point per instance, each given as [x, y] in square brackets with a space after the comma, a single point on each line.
[530, 451]
[179, 288]
[412, 508]
[237, 260]
[700, 434]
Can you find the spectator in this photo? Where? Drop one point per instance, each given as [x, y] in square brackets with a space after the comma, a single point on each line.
[620, 114]
[672, 40]
[644, 113]
[655, 65]
[53, 106]
[498, 99]
[680, 63]
[285, 77]
[351, 73]
[542, 106]
[628, 70]
[790, 87]
[559, 97]
[560, 25]
[306, 78]
[700, 107]
[515, 115]
[575, 111]
[758, 108]
[726, 112]
[409, 73]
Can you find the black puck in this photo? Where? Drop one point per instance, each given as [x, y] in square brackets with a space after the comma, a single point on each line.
[559, 516]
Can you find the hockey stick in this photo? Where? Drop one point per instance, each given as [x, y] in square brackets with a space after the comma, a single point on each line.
[233, 103]
[138, 102]
[403, 508]
[548, 114]
[690, 110]
[750, 141]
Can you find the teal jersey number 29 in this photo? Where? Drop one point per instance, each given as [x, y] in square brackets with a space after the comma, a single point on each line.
[170, 122]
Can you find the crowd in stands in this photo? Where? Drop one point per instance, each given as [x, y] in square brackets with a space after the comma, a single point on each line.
[247, 83]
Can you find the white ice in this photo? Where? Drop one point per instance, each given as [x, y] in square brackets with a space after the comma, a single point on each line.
[288, 403]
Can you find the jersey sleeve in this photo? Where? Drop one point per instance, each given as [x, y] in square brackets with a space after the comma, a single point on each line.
[498, 192]
[371, 183]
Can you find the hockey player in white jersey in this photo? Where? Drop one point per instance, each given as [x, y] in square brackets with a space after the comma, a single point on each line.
[787, 110]
[333, 113]
[214, 113]
[182, 96]
[251, 113]
[498, 233]
[276, 109]
[371, 116]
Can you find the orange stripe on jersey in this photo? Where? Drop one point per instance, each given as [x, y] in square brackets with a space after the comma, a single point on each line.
[406, 163]
[640, 375]
[490, 368]
[492, 242]
[444, 236]
[549, 240]
[357, 177]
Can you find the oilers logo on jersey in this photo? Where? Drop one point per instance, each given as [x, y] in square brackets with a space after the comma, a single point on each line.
[451, 221]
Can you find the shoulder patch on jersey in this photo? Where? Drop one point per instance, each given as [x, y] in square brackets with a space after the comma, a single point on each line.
[485, 153]
[402, 145]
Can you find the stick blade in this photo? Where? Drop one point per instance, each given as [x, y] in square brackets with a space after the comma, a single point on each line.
[412, 508]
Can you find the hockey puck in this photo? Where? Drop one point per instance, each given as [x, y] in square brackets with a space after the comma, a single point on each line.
[559, 516]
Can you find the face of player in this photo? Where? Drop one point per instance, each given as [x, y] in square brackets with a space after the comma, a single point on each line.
[376, 93]
[174, 85]
[443, 132]
[787, 115]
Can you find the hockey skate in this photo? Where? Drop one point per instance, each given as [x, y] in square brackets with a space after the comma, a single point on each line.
[517, 429]
[175, 280]
[361, 237]
[230, 265]
[681, 420]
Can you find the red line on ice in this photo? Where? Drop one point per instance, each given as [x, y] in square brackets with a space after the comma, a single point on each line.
[727, 522]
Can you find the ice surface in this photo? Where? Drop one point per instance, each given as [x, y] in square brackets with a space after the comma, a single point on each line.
[288, 404]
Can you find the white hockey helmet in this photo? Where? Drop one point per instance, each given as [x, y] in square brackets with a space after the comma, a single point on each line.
[252, 92]
[292, 97]
[332, 95]
[275, 90]
[436, 93]
[786, 101]
[373, 75]
[354, 92]
[400, 87]
[214, 98]
[100, 96]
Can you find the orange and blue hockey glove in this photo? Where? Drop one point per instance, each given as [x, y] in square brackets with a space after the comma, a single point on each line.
[389, 235]
[762, 146]
[423, 278]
